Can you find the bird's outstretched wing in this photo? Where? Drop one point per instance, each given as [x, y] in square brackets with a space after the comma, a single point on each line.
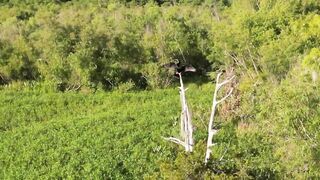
[190, 69]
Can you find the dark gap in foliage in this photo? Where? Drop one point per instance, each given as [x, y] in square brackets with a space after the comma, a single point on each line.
[25, 15]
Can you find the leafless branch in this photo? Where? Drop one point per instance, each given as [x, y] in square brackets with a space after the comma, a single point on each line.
[186, 128]
[211, 130]
[224, 98]
[175, 140]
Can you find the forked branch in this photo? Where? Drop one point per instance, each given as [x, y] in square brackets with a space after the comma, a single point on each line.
[211, 130]
[175, 140]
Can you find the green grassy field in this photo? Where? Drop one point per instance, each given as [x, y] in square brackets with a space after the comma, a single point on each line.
[115, 135]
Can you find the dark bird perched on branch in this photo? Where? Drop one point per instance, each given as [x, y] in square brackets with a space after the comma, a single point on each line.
[177, 67]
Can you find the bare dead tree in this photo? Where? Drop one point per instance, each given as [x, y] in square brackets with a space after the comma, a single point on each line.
[186, 128]
[211, 130]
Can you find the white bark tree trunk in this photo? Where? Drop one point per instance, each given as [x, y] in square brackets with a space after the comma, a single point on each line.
[211, 130]
[186, 128]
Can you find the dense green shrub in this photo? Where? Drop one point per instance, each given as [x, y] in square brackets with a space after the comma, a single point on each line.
[72, 46]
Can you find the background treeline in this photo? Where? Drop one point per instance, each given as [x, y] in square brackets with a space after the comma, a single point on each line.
[269, 129]
[75, 44]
